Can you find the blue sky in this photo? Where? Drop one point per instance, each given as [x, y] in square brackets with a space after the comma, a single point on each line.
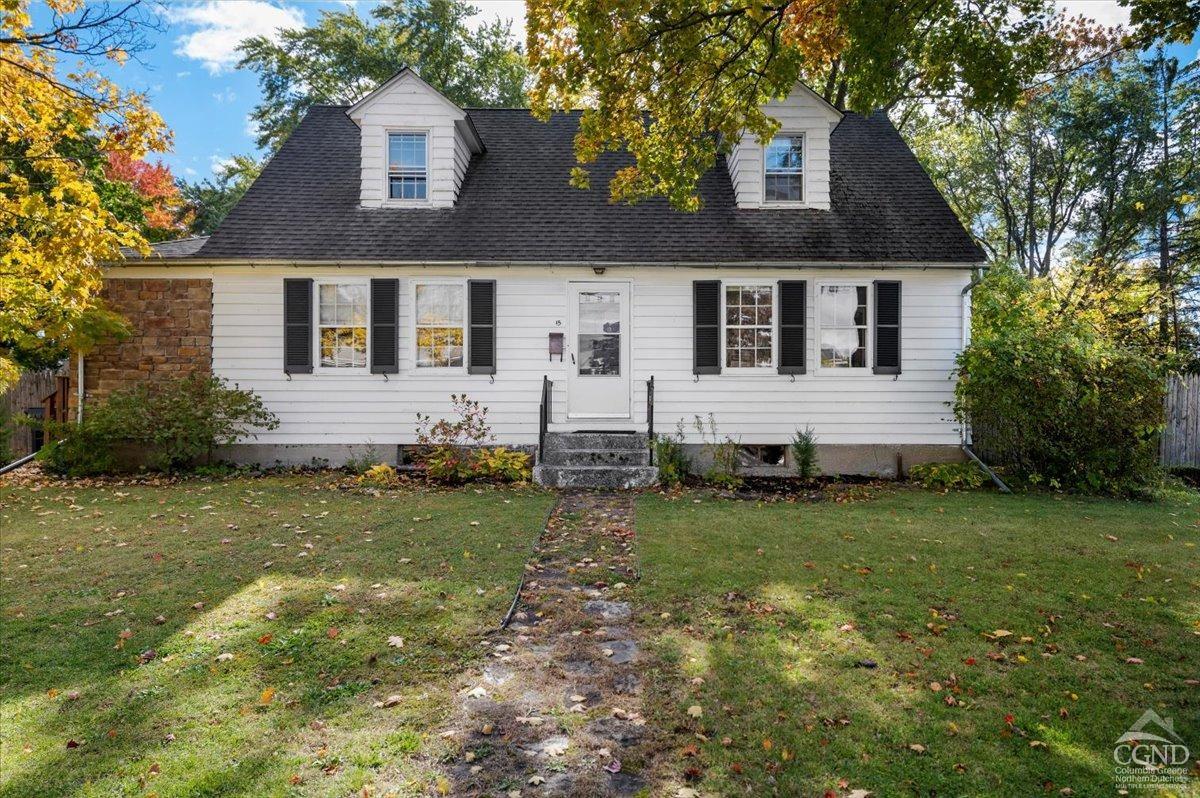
[192, 81]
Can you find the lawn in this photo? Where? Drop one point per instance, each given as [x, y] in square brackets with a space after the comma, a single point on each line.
[845, 646]
[233, 638]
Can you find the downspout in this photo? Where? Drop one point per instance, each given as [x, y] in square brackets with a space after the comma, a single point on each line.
[79, 388]
[976, 277]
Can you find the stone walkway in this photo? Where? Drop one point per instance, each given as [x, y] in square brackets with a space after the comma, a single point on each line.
[556, 711]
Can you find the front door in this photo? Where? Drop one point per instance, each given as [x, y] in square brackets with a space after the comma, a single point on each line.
[598, 350]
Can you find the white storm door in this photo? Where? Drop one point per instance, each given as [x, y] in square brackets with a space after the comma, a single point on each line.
[598, 350]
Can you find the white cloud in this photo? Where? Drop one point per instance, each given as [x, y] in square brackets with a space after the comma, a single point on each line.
[218, 162]
[217, 27]
[251, 127]
[182, 74]
[1107, 12]
[226, 95]
[189, 171]
[489, 10]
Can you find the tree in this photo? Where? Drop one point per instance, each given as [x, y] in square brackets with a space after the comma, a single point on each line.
[344, 56]
[208, 202]
[161, 206]
[1088, 183]
[660, 78]
[56, 128]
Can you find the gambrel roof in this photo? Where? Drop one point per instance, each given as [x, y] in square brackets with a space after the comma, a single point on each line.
[515, 206]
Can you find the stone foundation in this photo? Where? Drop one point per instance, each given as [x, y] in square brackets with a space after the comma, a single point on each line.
[171, 324]
[860, 459]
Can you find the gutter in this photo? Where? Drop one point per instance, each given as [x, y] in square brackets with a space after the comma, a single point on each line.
[590, 264]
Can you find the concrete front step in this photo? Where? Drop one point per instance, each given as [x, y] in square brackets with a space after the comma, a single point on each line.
[595, 441]
[610, 477]
[597, 457]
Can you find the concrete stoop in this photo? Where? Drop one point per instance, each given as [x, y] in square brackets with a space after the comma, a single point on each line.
[611, 460]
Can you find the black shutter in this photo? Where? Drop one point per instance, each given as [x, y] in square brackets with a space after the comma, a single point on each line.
[385, 326]
[887, 327]
[706, 327]
[481, 331]
[297, 326]
[793, 314]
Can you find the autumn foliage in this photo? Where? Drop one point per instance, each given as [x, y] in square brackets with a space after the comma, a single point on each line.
[56, 128]
[163, 204]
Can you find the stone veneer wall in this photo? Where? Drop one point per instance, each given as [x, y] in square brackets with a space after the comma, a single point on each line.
[171, 323]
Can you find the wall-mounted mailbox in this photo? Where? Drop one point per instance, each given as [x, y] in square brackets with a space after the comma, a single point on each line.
[556, 346]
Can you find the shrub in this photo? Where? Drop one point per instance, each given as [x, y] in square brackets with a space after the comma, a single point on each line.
[673, 464]
[169, 425]
[499, 463]
[943, 476]
[1052, 400]
[380, 475]
[804, 454]
[453, 450]
[724, 455]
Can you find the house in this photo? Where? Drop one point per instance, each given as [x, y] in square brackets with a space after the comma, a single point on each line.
[403, 249]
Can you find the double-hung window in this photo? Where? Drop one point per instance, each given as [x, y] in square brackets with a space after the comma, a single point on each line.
[749, 326]
[408, 175]
[439, 333]
[342, 319]
[783, 178]
[843, 326]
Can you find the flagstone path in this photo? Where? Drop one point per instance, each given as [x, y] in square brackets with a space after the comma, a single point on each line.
[556, 709]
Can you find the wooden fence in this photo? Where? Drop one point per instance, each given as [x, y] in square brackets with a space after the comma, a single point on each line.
[27, 396]
[1181, 436]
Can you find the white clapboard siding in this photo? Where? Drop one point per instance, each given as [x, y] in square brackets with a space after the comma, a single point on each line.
[325, 408]
[408, 104]
[802, 112]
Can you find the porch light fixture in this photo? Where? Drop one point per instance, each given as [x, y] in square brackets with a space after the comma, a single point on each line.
[598, 270]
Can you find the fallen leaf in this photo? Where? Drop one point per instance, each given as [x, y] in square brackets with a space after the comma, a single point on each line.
[396, 641]
[695, 711]
[917, 748]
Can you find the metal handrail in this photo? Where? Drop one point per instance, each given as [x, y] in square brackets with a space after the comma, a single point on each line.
[650, 416]
[545, 412]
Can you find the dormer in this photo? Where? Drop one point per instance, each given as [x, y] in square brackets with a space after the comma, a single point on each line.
[792, 170]
[416, 144]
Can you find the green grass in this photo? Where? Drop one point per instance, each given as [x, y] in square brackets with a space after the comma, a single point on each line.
[772, 606]
[192, 571]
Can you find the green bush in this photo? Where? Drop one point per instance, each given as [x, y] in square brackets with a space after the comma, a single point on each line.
[501, 464]
[453, 451]
[1052, 400]
[804, 454]
[944, 476]
[167, 425]
[673, 464]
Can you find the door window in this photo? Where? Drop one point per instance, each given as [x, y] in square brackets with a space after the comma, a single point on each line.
[599, 334]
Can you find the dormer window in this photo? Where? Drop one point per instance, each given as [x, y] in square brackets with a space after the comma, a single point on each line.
[408, 175]
[783, 178]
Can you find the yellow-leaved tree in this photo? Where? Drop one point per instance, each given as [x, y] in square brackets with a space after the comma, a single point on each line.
[57, 126]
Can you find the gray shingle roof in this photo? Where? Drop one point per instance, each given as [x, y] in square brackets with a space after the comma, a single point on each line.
[178, 248]
[515, 205]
